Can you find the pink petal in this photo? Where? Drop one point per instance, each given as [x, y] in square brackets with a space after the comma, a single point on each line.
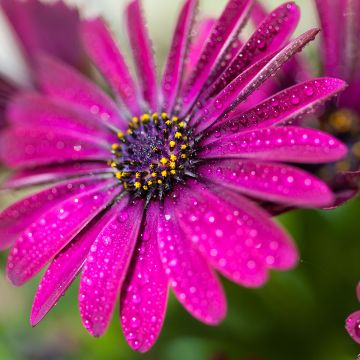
[192, 280]
[106, 266]
[175, 63]
[247, 82]
[43, 27]
[65, 267]
[287, 105]
[47, 174]
[352, 325]
[17, 217]
[103, 50]
[61, 81]
[47, 235]
[234, 235]
[269, 181]
[144, 294]
[39, 110]
[228, 25]
[142, 52]
[34, 146]
[286, 143]
[271, 34]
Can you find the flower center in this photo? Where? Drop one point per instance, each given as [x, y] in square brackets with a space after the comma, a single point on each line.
[156, 152]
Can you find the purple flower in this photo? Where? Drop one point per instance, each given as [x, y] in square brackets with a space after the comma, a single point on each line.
[352, 323]
[154, 190]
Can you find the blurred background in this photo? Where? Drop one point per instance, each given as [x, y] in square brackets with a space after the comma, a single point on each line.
[298, 315]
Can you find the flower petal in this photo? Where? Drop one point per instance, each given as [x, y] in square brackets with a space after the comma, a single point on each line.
[65, 267]
[247, 82]
[144, 294]
[17, 217]
[175, 62]
[143, 54]
[104, 52]
[289, 104]
[286, 143]
[228, 25]
[106, 266]
[268, 181]
[29, 146]
[42, 27]
[193, 282]
[234, 235]
[47, 174]
[264, 41]
[47, 235]
[61, 81]
[352, 325]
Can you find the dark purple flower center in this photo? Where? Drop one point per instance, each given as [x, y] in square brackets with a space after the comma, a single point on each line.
[156, 152]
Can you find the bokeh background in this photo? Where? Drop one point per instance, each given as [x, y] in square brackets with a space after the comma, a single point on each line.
[298, 315]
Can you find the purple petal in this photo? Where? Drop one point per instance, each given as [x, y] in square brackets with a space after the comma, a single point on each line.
[142, 52]
[269, 181]
[228, 25]
[271, 34]
[51, 28]
[47, 174]
[193, 282]
[64, 268]
[17, 217]
[28, 146]
[144, 294]
[175, 63]
[352, 325]
[61, 81]
[286, 143]
[47, 235]
[40, 110]
[101, 47]
[234, 235]
[106, 266]
[247, 82]
[289, 104]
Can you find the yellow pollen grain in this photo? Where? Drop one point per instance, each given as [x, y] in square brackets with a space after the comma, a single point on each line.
[173, 172]
[178, 135]
[173, 157]
[185, 138]
[164, 173]
[168, 122]
[118, 175]
[182, 124]
[137, 175]
[149, 182]
[151, 166]
[164, 161]
[172, 165]
[125, 185]
[137, 184]
[164, 115]
[172, 143]
[175, 119]
[183, 156]
[145, 187]
[113, 164]
[129, 131]
[145, 117]
[153, 174]
[135, 119]
[159, 182]
[120, 134]
[155, 115]
[123, 174]
[115, 146]
[183, 147]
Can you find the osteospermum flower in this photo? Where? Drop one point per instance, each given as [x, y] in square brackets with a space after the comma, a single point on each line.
[153, 191]
[352, 323]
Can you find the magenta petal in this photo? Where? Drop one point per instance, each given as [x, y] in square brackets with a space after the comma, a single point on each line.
[264, 41]
[228, 25]
[352, 325]
[269, 181]
[51, 28]
[286, 143]
[17, 217]
[192, 280]
[39, 110]
[47, 235]
[235, 236]
[144, 294]
[289, 104]
[247, 82]
[64, 268]
[33, 146]
[142, 52]
[101, 47]
[62, 81]
[106, 266]
[175, 63]
[47, 174]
